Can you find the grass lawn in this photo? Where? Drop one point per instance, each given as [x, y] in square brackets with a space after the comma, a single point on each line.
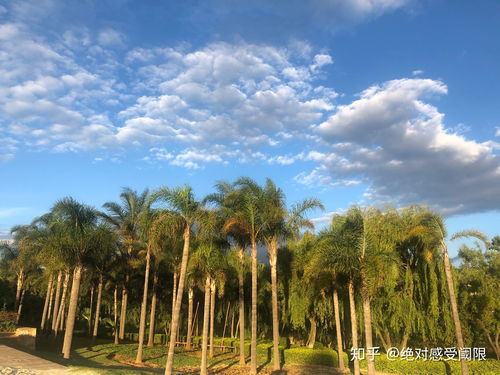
[103, 357]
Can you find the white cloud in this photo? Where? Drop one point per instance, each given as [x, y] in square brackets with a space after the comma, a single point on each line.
[227, 92]
[399, 145]
[110, 38]
[417, 72]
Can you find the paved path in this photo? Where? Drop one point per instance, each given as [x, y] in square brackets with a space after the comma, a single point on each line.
[17, 359]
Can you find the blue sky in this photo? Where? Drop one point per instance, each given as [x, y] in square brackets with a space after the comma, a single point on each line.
[372, 102]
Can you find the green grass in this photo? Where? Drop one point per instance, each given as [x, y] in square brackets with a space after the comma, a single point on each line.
[103, 357]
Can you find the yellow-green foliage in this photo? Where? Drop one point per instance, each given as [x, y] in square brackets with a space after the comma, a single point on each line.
[489, 367]
[306, 356]
[7, 326]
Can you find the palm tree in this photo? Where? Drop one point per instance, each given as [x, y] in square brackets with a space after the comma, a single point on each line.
[125, 218]
[248, 218]
[434, 233]
[102, 259]
[335, 252]
[77, 222]
[209, 263]
[280, 225]
[147, 217]
[229, 201]
[182, 202]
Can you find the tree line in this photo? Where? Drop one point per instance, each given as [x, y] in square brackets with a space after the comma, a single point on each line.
[382, 275]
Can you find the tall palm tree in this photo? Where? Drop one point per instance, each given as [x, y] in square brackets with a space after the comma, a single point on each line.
[77, 222]
[182, 202]
[280, 224]
[229, 200]
[124, 216]
[102, 259]
[209, 263]
[248, 218]
[147, 217]
[433, 232]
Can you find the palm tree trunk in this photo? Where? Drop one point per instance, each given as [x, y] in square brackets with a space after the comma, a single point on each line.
[45, 305]
[115, 314]
[454, 308]
[51, 302]
[367, 318]
[241, 300]
[98, 306]
[253, 352]
[190, 317]
[178, 301]
[273, 255]
[151, 336]
[232, 325]
[212, 318]
[60, 312]
[123, 311]
[20, 283]
[73, 304]
[20, 307]
[56, 301]
[225, 323]
[338, 329]
[354, 324]
[204, 340]
[174, 296]
[91, 307]
[142, 321]
[311, 340]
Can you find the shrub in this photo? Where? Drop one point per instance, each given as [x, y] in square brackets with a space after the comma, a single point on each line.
[420, 367]
[7, 326]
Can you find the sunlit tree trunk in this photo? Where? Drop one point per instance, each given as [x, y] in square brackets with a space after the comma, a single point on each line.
[178, 301]
[190, 317]
[115, 314]
[91, 307]
[241, 299]
[20, 283]
[354, 324]
[60, 312]
[123, 310]
[212, 317]
[73, 304]
[20, 307]
[46, 304]
[273, 257]
[174, 296]
[367, 319]
[152, 314]
[311, 340]
[57, 300]
[142, 321]
[338, 328]
[204, 339]
[253, 352]
[98, 306]
[454, 308]
[51, 301]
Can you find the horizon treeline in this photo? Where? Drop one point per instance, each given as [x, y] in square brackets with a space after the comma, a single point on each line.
[166, 262]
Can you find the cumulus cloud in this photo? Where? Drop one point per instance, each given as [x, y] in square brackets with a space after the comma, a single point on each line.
[227, 92]
[399, 145]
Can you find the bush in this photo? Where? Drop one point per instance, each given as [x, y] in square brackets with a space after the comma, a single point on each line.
[7, 326]
[489, 367]
[306, 356]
